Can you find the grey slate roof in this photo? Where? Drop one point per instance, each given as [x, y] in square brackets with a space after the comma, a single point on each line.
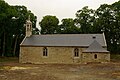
[95, 47]
[78, 40]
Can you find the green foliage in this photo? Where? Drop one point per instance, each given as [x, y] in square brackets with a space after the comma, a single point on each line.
[84, 19]
[68, 27]
[107, 21]
[49, 24]
[12, 29]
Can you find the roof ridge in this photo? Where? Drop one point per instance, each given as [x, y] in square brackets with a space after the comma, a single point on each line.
[67, 34]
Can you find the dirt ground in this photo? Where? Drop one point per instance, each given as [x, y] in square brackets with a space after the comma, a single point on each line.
[92, 71]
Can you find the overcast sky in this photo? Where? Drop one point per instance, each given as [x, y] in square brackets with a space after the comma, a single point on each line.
[60, 8]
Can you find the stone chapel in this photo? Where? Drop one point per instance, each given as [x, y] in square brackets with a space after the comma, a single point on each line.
[62, 48]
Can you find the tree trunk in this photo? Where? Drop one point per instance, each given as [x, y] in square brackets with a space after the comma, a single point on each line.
[14, 50]
[3, 53]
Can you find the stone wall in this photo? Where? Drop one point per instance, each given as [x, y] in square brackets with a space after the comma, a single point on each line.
[63, 55]
[101, 57]
[59, 55]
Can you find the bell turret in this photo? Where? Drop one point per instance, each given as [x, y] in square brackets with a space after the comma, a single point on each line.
[28, 27]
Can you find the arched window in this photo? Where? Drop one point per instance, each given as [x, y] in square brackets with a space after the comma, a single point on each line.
[95, 56]
[76, 52]
[45, 51]
[28, 27]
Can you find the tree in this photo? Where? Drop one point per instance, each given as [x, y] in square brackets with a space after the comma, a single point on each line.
[84, 19]
[108, 21]
[105, 19]
[19, 28]
[12, 31]
[5, 13]
[68, 26]
[49, 24]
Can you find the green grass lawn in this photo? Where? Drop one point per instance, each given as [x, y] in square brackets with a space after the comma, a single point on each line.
[115, 57]
[8, 59]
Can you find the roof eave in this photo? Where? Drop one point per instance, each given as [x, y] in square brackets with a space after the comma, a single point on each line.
[96, 52]
[53, 46]
[23, 41]
[50, 46]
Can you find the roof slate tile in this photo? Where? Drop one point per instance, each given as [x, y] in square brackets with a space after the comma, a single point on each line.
[77, 40]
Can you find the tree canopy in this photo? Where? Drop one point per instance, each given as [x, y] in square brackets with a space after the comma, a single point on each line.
[68, 26]
[12, 29]
[84, 19]
[105, 19]
[49, 24]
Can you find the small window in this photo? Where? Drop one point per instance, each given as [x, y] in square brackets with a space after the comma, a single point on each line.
[95, 56]
[76, 52]
[94, 37]
[45, 51]
[28, 28]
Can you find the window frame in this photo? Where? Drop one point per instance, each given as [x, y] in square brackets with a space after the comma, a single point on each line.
[76, 52]
[45, 52]
[95, 56]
